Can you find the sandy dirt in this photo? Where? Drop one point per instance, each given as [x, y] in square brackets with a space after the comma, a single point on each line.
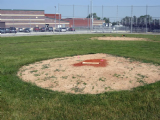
[60, 74]
[120, 38]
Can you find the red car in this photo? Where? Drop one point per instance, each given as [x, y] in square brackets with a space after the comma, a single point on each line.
[71, 29]
[36, 29]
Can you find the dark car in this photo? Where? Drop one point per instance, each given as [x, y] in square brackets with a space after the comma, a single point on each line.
[2, 30]
[50, 29]
[36, 29]
[7, 30]
[13, 30]
[71, 29]
[43, 29]
[27, 30]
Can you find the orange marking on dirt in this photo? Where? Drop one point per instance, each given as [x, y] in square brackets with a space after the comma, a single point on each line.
[92, 62]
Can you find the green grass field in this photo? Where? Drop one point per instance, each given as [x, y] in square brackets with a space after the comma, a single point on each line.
[25, 101]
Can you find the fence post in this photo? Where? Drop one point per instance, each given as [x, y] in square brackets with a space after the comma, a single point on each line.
[73, 17]
[29, 22]
[102, 20]
[90, 15]
[146, 17]
[55, 19]
[13, 23]
[117, 19]
[88, 18]
[131, 17]
[59, 15]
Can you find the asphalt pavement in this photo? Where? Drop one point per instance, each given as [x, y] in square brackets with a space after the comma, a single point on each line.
[69, 32]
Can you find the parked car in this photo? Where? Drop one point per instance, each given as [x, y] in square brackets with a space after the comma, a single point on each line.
[67, 28]
[36, 29]
[27, 30]
[43, 29]
[13, 30]
[49, 29]
[60, 30]
[20, 29]
[71, 29]
[2, 30]
[7, 30]
[63, 29]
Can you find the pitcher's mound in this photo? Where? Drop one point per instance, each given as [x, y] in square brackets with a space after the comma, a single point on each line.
[90, 74]
[120, 38]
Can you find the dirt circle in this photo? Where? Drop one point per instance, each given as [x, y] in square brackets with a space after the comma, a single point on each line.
[62, 74]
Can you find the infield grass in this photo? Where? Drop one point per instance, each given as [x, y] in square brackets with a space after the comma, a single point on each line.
[26, 101]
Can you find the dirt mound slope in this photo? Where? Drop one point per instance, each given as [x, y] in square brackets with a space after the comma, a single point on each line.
[60, 74]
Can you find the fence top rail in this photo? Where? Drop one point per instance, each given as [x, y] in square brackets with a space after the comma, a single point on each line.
[112, 6]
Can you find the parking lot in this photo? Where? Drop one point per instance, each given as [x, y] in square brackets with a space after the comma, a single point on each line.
[77, 31]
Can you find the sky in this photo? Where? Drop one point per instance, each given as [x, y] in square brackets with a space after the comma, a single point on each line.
[79, 8]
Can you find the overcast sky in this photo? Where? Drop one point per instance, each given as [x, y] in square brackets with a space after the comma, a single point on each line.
[81, 7]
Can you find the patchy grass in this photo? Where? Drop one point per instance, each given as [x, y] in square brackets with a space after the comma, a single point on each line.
[102, 79]
[45, 66]
[21, 100]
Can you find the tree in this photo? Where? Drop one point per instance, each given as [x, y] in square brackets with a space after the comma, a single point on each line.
[114, 23]
[142, 20]
[94, 16]
[106, 20]
[126, 20]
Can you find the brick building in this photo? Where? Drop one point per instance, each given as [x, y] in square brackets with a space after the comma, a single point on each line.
[57, 16]
[55, 23]
[2, 25]
[83, 22]
[28, 19]
[37, 18]
[22, 18]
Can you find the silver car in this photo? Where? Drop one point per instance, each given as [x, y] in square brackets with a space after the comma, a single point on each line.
[2, 30]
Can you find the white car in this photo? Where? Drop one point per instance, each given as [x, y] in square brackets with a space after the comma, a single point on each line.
[60, 30]
[63, 29]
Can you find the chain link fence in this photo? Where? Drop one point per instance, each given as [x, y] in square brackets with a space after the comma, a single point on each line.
[86, 19]
[132, 19]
